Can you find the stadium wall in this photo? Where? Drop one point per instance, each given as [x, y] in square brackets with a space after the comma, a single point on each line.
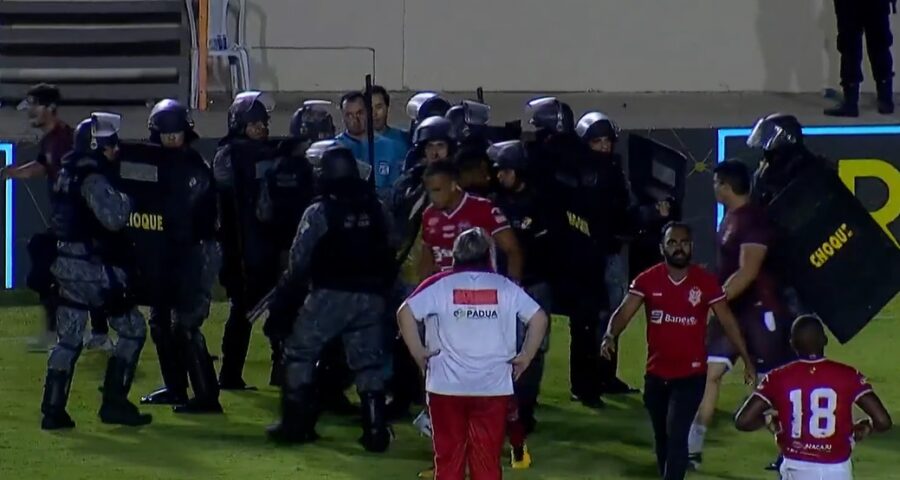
[535, 45]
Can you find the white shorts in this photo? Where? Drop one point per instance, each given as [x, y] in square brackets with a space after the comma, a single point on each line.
[797, 470]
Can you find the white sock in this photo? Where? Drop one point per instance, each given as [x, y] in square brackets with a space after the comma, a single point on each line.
[696, 437]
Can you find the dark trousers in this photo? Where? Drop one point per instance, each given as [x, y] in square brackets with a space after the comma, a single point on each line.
[672, 405]
[588, 371]
[872, 19]
[236, 338]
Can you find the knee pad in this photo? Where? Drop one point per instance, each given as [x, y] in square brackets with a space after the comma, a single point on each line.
[129, 348]
[64, 355]
[191, 336]
[297, 373]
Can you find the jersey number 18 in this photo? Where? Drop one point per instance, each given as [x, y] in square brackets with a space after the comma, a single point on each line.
[822, 406]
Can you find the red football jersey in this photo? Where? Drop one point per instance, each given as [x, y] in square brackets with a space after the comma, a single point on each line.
[676, 319]
[440, 229]
[814, 400]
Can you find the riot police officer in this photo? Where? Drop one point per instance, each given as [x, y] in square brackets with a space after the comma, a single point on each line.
[470, 125]
[250, 267]
[603, 182]
[342, 245]
[785, 157]
[194, 261]
[579, 289]
[332, 375]
[525, 208]
[286, 192]
[91, 272]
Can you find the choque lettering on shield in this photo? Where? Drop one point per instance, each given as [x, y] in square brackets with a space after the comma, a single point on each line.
[146, 221]
[831, 246]
[852, 168]
[579, 223]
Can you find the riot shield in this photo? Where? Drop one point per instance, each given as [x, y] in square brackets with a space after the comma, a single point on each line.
[842, 264]
[657, 171]
[163, 186]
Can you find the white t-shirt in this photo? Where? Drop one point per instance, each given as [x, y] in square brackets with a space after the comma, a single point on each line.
[471, 317]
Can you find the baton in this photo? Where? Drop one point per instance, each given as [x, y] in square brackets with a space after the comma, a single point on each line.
[35, 203]
[261, 307]
[370, 133]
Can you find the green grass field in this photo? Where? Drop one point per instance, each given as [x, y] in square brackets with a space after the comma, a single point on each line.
[572, 442]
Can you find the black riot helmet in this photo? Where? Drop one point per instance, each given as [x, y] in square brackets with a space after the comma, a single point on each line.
[468, 118]
[509, 155]
[315, 155]
[549, 114]
[95, 133]
[426, 104]
[778, 131]
[169, 116]
[249, 107]
[594, 125]
[313, 121]
[433, 128]
[338, 163]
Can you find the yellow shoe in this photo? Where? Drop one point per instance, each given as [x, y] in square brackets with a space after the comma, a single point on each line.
[522, 463]
[427, 474]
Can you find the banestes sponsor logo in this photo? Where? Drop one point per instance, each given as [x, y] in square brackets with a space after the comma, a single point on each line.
[659, 317]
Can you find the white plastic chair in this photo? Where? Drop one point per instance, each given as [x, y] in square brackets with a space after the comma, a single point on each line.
[220, 46]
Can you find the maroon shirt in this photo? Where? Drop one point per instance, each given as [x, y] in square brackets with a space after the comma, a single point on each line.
[749, 225]
[53, 146]
[676, 319]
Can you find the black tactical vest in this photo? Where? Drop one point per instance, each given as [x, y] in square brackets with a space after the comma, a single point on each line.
[527, 214]
[290, 187]
[354, 255]
[254, 241]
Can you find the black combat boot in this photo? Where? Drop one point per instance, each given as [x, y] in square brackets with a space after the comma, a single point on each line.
[376, 435]
[299, 414]
[885, 97]
[202, 374]
[56, 395]
[171, 367]
[849, 106]
[116, 408]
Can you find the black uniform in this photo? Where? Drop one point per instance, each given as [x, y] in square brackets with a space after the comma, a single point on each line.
[286, 191]
[529, 219]
[251, 263]
[579, 289]
[872, 19]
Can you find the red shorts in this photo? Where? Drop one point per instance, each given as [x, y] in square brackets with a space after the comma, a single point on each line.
[467, 431]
